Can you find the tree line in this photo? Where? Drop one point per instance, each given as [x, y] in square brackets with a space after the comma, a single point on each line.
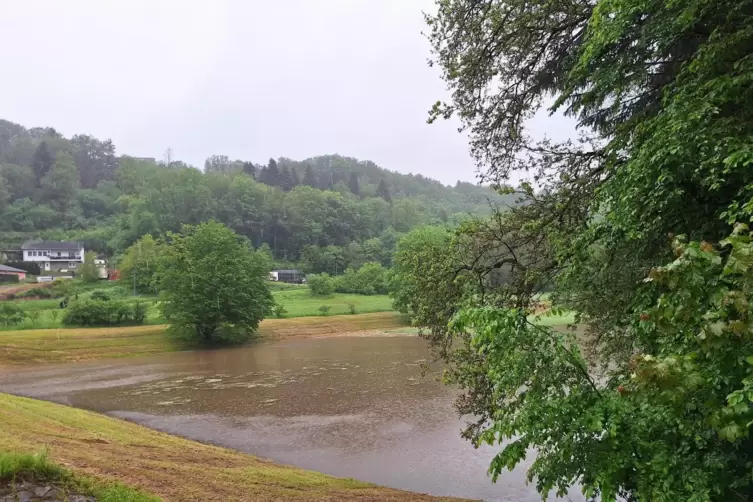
[327, 212]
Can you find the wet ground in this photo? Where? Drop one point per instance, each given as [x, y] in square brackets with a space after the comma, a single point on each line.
[353, 407]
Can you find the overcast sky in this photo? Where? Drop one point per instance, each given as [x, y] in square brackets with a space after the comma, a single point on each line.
[250, 79]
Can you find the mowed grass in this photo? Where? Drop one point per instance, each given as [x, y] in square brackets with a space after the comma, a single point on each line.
[59, 345]
[300, 303]
[296, 299]
[107, 450]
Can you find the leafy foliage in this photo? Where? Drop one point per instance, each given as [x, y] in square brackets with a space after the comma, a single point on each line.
[89, 270]
[11, 314]
[369, 279]
[212, 285]
[320, 284]
[97, 312]
[138, 265]
[661, 92]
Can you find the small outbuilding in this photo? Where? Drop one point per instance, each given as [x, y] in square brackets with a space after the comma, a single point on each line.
[6, 271]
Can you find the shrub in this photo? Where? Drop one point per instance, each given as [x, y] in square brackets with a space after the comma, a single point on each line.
[34, 316]
[139, 313]
[324, 309]
[321, 284]
[100, 295]
[104, 313]
[279, 310]
[352, 308]
[37, 293]
[370, 279]
[11, 314]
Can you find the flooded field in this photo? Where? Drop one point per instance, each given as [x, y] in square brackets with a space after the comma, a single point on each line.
[351, 406]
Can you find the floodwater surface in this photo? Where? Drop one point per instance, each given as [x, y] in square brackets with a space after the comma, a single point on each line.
[352, 407]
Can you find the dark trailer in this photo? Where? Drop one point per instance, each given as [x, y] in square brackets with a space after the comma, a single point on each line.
[291, 276]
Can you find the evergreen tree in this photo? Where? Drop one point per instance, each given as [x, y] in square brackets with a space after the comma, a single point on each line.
[353, 184]
[383, 191]
[41, 162]
[294, 177]
[250, 169]
[272, 176]
[309, 178]
[286, 180]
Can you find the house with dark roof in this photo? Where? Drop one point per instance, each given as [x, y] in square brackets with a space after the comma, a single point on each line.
[54, 256]
[5, 270]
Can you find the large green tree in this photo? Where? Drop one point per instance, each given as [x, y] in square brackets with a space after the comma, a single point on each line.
[138, 265]
[662, 94]
[60, 183]
[213, 287]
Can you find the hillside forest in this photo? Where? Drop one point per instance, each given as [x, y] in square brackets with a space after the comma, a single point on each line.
[324, 214]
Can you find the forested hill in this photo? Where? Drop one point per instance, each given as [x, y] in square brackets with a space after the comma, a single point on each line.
[55, 187]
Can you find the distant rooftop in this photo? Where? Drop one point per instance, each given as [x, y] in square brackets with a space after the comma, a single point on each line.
[52, 245]
[6, 268]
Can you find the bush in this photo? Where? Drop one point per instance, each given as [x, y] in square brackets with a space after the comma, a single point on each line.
[352, 308]
[370, 279]
[321, 284]
[279, 310]
[324, 309]
[104, 313]
[37, 293]
[100, 296]
[11, 314]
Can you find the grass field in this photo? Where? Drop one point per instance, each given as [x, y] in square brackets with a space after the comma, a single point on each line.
[106, 450]
[35, 346]
[296, 299]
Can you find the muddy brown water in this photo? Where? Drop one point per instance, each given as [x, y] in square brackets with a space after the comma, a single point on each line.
[351, 407]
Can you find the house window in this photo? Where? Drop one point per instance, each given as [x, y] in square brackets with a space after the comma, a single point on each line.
[71, 264]
[44, 253]
[34, 253]
[58, 254]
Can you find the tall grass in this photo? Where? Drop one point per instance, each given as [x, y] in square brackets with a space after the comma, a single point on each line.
[17, 465]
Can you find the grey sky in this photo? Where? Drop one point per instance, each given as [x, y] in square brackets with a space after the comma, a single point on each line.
[250, 79]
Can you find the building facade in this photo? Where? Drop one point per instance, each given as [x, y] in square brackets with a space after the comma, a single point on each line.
[62, 257]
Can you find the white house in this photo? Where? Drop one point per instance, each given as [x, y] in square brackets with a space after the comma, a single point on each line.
[54, 256]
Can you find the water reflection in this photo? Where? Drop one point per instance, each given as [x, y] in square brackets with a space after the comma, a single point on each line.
[355, 407]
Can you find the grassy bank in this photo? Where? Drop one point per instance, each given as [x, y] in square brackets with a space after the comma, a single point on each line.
[17, 469]
[296, 299]
[107, 450]
[31, 346]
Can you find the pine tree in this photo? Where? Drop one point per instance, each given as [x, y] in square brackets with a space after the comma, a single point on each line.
[250, 169]
[309, 178]
[353, 184]
[294, 177]
[286, 180]
[41, 162]
[273, 174]
[383, 190]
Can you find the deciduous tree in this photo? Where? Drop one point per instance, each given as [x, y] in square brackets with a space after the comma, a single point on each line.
[212, 285]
